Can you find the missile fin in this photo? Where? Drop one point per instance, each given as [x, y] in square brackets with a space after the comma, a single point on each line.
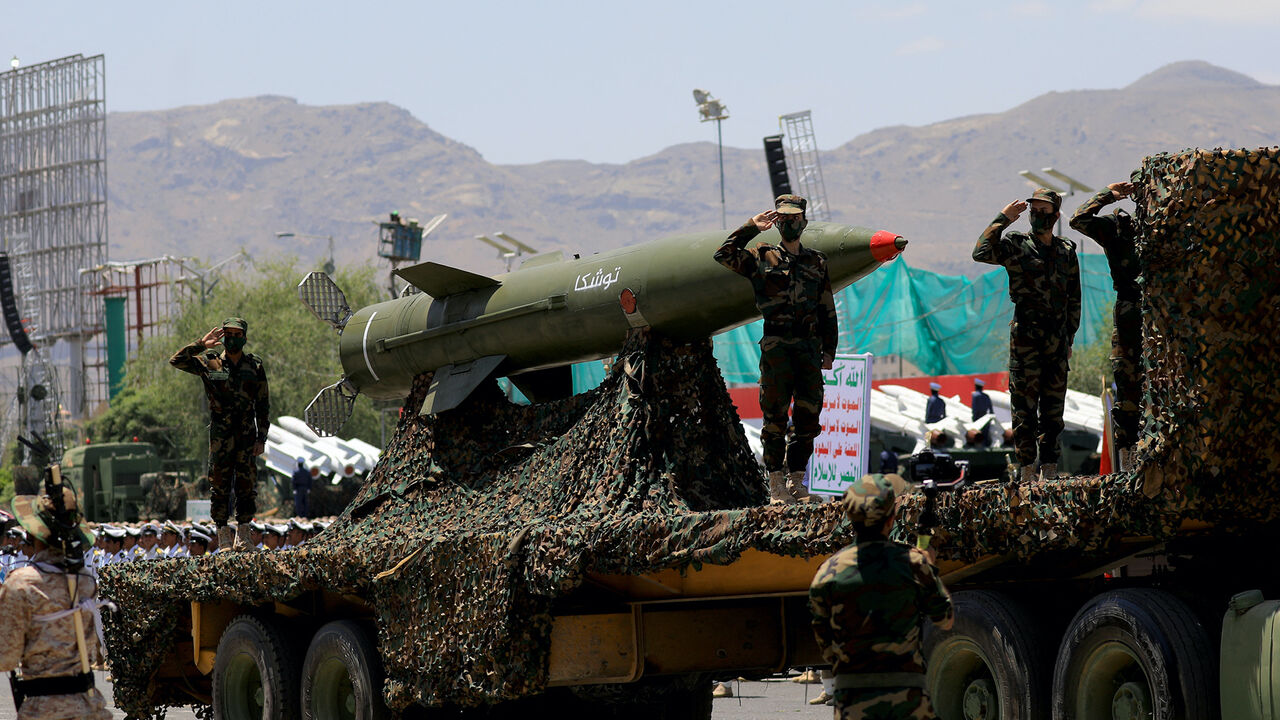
[452, 384]
[441, 281]
[545, 385]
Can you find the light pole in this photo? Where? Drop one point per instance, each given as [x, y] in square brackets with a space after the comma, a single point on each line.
[329, 265]
[1071, 183]
[711, 109]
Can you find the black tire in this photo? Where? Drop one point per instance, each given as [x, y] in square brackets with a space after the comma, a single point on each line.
[255, 673]
[1141, 650]
[342, 675]
[991, 664]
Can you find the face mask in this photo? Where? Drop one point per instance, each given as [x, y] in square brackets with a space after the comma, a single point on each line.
[1041, 221]
[234, 344]
[791, 229]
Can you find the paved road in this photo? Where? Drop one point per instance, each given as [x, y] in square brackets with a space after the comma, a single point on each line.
[753, 700]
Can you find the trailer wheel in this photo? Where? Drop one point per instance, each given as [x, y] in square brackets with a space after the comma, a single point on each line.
[255, 673]
[990, 665]
[342, 675]
[1136, 653]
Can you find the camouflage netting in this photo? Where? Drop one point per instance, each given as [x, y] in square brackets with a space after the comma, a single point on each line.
[476, 520]
[1210, 240]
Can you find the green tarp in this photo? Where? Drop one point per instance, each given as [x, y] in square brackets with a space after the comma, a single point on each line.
[944, 324]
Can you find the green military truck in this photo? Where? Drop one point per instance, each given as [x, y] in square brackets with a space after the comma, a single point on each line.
[127, 482]
[608, 555]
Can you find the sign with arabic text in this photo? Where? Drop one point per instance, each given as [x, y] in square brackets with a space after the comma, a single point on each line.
[840, 451]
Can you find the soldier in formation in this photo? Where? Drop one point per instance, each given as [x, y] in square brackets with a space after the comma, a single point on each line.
[979, 401]
[1044, 284]
[793, 294]
[235, 383]
[935, 408]
[1117, 234]
[868, 603]
[50, 627]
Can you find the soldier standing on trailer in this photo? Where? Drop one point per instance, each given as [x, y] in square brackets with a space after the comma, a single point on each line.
[1044, 284]
[1118, 235]
[793, 293]
[235, 383]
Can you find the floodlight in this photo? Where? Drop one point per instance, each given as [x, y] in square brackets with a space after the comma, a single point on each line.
[1070, 181]
[699, 96]
[1039, 181]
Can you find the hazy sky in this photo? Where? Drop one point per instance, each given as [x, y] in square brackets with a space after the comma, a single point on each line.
[611, 82]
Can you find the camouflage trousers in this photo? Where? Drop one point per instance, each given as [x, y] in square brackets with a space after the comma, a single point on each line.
[232, 464]
[1126, 368]
[789, 369]
[1037, 391]
[883, 704]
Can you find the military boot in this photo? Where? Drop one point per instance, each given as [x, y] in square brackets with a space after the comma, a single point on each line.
[1027, 474]
[226, 537]
[244, 536]
[778, 493]
[1048, 471]
[795, 486]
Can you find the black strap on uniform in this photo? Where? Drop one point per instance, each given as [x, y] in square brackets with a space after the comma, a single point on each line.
[60, 685]
[879, 680]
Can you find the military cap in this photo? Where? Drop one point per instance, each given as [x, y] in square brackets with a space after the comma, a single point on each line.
[1046, 195]
[151, 529]
[200, 537]
[170, 527]
[935, 386]
[278, 529]
[35, 513]
[16, 532]
[133, 532]
[113, 532]
[236, 322]
[790, 205]
[979, 382]
[260, 527]
[870, 500]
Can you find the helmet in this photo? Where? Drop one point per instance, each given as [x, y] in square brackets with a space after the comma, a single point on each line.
[869, 501]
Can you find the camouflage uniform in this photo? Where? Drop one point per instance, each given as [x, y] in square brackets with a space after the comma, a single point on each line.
[48, 648]
[238, 419]
[867, 603]
[793, 294]
[1044, 285]
[1118, 236]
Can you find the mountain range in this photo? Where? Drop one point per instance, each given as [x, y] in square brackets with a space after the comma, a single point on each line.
[205, 181]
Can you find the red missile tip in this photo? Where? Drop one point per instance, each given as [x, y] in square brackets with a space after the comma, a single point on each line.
[885, 245]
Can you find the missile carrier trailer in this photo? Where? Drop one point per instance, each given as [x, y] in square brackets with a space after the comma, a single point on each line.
[609, 554]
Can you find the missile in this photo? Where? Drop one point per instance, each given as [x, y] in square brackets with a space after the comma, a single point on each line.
[531, 324]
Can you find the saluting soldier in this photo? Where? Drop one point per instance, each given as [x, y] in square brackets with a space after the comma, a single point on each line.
[793, 294]
[868, 603]
[1044, 284]
[235, 383]
[1118, 235]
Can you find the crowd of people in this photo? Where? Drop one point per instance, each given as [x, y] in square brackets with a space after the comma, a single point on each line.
[132, 542]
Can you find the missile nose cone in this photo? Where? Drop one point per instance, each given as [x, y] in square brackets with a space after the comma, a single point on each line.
[885, 245]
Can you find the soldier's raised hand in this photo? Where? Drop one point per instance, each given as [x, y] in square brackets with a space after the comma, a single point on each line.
[211, 338]
[1014, 209]
[764, 220]
[1121, 189]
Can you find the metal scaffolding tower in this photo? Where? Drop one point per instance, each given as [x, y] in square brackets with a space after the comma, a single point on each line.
[53, 195]
[803, 162]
